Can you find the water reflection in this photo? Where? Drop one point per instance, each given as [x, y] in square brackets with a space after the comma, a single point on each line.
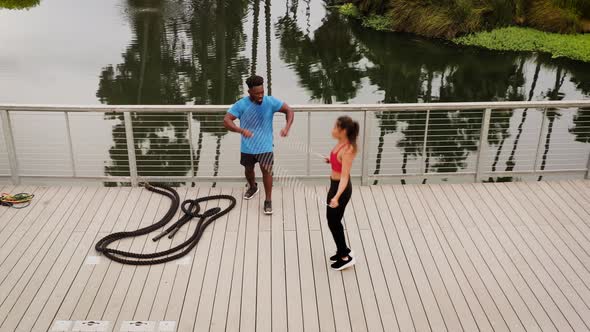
[194, 52]
[175, 59]
[327, 63]
[409, 71]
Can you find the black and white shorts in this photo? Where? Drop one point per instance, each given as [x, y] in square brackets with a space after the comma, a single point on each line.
[264, 159]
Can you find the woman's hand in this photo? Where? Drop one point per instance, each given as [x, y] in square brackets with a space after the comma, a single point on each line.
[334, 203]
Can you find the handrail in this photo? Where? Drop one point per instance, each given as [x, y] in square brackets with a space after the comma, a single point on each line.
[481, 146]
[496, 105]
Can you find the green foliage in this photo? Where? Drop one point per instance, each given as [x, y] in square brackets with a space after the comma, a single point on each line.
[580, 6]
[547, 16]
[349, 10]
[575, 47]
[451, 18]
[19, 4]
[377, 22]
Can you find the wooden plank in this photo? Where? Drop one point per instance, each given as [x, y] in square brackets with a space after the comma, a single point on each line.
[42, 313]
[351, 288]
[462, 253]
[573, 193]
[19, 223]
[97, 291]
[183, 272]
[6, 221]
[278, 265]
[523, 300]
[530, 247]
[140, 275]
[17, 256]
[212, 271]
[308, 294]
[289, 209]
[3, 209]
[118, 279]
[311, 205]
[573, 265]
[235, 300]
[249, 287]
[22, 288]
[320, 273]
[151, 287]
[292, 282]
[226, 270]
[582, 187]
[363, 277]
[33, 256]
[47, 273]
[323, 294]
[380, 265]
[578, 216]
[362, 223]
[88, 271]
[562, 235]
[428, 281]
[466, 304]
[165, 286]
[523, 259]
[233, 224]
[402, 289]
[264, 279]
[197, 269]
[486, 264]
[453, 306]
[337, 293]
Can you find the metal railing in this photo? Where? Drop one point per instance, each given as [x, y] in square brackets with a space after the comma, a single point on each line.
[397, 141]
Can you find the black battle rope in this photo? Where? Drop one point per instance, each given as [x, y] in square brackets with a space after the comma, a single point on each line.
[191, 209]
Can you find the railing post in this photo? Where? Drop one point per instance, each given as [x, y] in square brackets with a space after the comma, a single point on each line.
[425, 143]
[587, 176]
[364, 161]
[483, 145]
[190, 142]
[541, 134]
[308, 171]
[70, 144]
[130, 148]
[10, 147]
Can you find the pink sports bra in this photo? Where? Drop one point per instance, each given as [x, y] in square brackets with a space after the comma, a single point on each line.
[336, 164]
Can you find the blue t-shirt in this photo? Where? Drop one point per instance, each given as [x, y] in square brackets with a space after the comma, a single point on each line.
[257, 119]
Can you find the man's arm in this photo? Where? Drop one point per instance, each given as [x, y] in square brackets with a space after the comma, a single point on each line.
[290, 115]
[228, 123]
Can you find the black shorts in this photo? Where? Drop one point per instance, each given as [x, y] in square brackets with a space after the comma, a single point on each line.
[265, 159]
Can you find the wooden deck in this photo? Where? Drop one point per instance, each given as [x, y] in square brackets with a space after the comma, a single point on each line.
[472, 257]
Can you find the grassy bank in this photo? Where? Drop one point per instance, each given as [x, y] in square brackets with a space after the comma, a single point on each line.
[575, 47]
[18, 4]
[572, 46]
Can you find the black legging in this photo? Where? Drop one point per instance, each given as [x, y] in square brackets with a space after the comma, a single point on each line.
[334, 216]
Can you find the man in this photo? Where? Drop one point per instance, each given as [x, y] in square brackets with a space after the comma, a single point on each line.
[256, 112]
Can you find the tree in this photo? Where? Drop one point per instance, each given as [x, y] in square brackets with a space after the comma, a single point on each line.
[325, 64]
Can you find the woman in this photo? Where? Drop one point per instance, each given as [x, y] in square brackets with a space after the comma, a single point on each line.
[345, 131]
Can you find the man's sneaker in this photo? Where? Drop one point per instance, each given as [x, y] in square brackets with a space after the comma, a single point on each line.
[251, 192]
[335, 257]
[267, 207]
[343, 264]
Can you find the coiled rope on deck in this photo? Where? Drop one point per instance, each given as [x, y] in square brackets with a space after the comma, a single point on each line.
[190, 208]
[17, 201]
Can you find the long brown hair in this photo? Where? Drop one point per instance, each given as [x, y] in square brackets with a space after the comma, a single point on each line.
[351, 127]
